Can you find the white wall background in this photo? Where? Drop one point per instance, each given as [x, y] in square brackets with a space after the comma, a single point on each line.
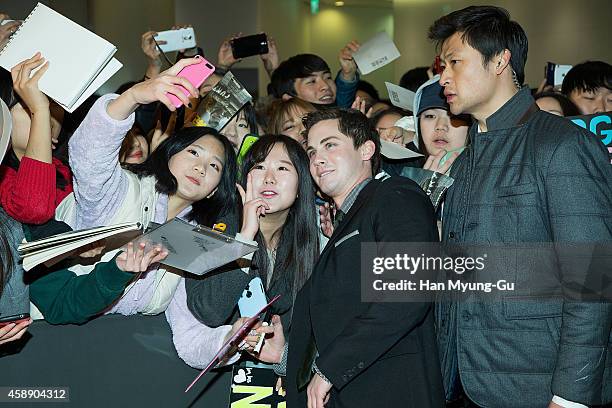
[563, 31]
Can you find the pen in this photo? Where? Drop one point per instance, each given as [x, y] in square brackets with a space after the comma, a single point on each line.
[260, 341]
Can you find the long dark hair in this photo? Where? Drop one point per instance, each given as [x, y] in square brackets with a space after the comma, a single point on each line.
[6, 257]
[298, 239]
[250, 115]
[7, 93]
[568, 107]
[207, 210]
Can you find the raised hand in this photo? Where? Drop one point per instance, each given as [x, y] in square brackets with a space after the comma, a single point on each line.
[149, 48]
[252, 209]
[154, 90]
[347, 63]
[270, 60]
[225, 57]
[26, 84]
[6, 30]
[153, 54]
[166, 82]
[545, 87]
[139, 260]
[360, 105]
[41, 139]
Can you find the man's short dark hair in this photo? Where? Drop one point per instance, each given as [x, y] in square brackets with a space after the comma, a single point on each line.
[414, 78]
[298, 66]
[351, 123]
[487, 29]
[588, 76]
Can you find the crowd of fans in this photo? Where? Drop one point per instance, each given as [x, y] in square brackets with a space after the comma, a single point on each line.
[522, 174]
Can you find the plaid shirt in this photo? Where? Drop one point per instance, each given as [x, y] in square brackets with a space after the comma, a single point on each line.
[352, 197]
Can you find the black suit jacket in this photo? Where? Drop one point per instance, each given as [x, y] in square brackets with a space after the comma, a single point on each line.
[375, 354]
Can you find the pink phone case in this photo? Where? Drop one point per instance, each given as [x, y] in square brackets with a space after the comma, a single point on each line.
[196, 74]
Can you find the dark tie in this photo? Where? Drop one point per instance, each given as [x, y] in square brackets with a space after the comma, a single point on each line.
[338, 218]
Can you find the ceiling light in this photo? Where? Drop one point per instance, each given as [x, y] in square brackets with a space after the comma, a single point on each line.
[314, 6]
[339, 3]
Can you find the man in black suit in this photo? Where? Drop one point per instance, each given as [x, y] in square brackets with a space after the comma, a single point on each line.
[347, 352]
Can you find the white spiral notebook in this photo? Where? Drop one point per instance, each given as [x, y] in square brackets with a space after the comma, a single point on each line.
[79, 61]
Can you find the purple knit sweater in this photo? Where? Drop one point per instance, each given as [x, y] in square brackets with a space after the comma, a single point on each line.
[100, 187]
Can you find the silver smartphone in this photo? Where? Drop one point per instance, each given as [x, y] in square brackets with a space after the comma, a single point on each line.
[182, 38]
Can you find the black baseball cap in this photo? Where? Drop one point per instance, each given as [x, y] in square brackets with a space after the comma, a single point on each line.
[432, 97]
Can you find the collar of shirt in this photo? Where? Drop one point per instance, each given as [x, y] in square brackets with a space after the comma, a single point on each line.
[161, 211]
[511, 112]
[350, 199]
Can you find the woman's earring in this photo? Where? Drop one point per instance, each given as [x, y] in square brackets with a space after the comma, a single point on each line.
[212, 194]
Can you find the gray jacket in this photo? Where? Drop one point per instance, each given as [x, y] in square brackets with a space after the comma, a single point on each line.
[529, 179]
[15, 297]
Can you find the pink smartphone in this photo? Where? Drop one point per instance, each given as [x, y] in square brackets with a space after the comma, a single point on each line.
[196, 74]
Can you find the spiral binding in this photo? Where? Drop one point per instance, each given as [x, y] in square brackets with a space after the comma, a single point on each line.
[14, 35]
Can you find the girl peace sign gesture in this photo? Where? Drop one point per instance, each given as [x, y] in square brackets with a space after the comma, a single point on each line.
[252, 208]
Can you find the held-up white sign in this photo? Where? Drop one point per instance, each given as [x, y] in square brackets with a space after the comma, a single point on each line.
[376, 53]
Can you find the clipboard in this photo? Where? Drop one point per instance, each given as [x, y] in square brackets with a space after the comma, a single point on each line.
[194, 248]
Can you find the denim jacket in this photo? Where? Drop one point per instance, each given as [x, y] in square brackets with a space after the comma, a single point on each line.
[15, 297]
[346, 90]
